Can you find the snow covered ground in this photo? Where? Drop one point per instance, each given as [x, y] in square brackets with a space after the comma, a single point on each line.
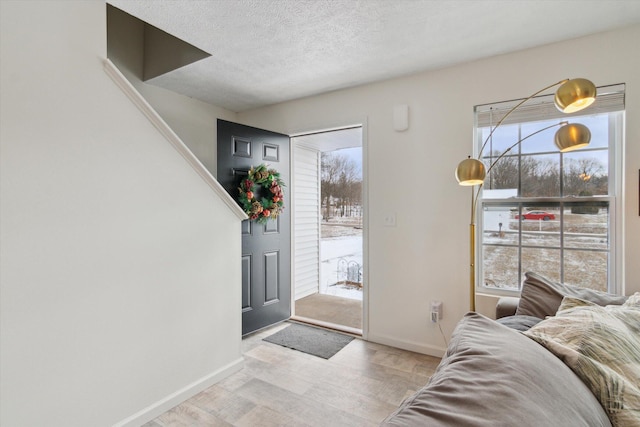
[585, 258]
[341, 245]
[336, 253]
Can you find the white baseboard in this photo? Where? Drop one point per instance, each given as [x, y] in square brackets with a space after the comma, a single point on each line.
[163, 405]
[407, 345]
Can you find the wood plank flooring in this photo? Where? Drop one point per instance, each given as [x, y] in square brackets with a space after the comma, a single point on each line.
[359, 386]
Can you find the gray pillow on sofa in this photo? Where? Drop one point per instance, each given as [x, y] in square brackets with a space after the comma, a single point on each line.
[519, 323]
[541, 297]
[494, 376]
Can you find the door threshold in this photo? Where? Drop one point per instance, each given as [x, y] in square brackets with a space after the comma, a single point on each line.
[328, 325]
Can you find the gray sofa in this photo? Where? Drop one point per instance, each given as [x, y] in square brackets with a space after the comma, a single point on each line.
[493, 375]
[541, 297]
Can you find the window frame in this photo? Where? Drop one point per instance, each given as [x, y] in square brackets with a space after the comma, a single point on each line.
[616, 127]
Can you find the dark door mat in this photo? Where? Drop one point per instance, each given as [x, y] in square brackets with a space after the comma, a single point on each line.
[307, 339]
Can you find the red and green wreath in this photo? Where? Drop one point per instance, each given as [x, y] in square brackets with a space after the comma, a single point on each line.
[261, 195]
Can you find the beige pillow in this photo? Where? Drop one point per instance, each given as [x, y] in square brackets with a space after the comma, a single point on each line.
[541, 297]
[602, 346]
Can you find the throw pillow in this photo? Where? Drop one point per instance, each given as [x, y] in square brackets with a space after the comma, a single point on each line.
[541, 297]
[519, 323]
[602, 346]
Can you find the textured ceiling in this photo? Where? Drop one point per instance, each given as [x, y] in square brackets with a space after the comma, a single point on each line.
[331, 140]
[269, 51]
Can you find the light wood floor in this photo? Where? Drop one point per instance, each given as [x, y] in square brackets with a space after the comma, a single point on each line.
[359, 386]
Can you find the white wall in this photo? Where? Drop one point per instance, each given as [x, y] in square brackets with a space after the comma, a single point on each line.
[193, 120]
[425, 257]
[116, 286]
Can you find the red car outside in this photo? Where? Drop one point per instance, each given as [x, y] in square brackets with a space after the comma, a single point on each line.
[545, 216]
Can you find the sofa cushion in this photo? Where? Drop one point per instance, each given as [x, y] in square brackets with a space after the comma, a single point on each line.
[609, 360]
[494, 376]
[541, 297]
[506, 306]
[519, 323]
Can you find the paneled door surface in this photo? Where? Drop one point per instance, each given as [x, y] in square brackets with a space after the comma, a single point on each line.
[266, 248]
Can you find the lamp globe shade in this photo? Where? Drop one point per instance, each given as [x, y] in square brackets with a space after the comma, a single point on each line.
[575, 95]
[572, 136]
[470, 172]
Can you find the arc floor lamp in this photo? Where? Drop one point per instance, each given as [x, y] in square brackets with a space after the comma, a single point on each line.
[571, 96]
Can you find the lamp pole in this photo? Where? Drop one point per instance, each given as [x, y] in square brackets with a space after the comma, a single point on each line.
[472, 248]
[571, 96]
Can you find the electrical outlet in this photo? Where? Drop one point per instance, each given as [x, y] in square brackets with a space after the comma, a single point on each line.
[436, 311]
[434, 317]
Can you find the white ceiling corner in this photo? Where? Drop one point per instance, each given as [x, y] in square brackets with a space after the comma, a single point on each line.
[269, 51]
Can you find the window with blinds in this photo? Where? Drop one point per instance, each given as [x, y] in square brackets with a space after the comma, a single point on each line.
[545, 211]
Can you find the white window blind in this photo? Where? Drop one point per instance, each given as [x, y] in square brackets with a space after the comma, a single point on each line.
[609, 99]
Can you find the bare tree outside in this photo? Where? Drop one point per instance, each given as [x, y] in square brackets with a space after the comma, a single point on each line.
[540, 176]
[585, 177]
[340, 186]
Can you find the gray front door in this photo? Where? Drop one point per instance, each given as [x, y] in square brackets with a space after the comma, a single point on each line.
[266, 248]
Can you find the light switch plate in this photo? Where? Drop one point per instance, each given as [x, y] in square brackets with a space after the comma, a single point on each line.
[390, 219]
